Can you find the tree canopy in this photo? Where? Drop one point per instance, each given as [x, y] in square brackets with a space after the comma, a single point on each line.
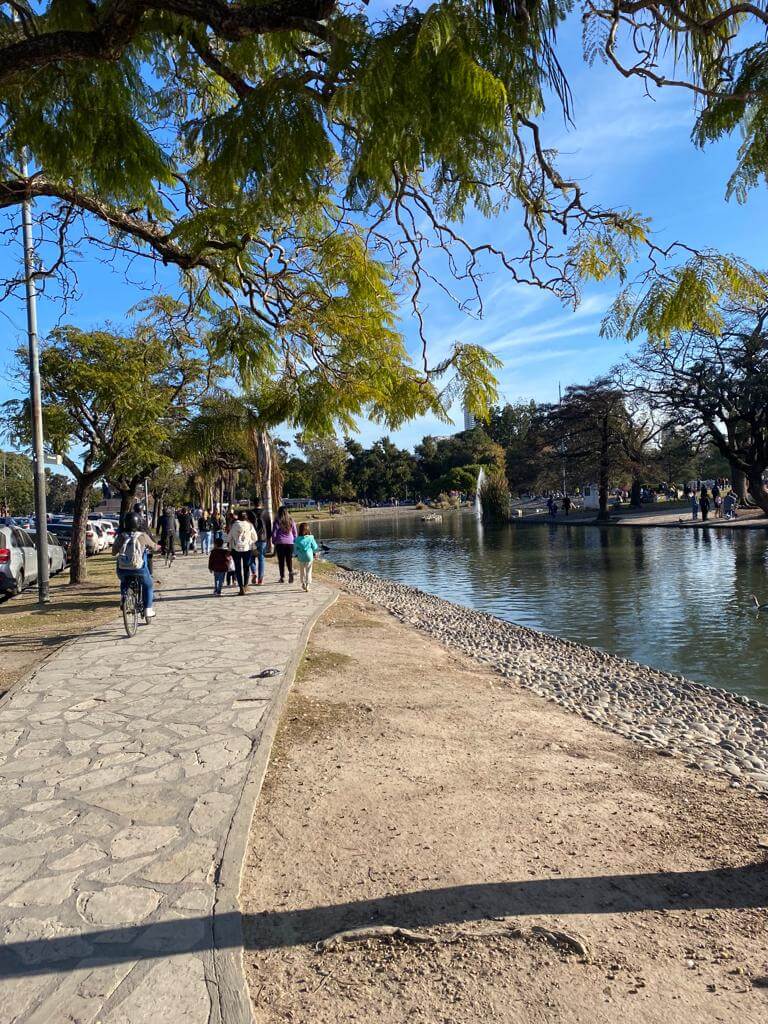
[305, 164]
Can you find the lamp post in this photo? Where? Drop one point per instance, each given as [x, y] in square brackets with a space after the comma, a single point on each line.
[36, 407]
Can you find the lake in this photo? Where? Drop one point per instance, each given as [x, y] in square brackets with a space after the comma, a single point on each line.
[675, 599]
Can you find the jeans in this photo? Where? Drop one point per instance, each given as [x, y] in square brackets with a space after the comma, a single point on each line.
[305, 574]
[218, 581]
[184, 542]
[259, 555]
[284, 559]
[206, 539]
[242, 559]
[147, 584]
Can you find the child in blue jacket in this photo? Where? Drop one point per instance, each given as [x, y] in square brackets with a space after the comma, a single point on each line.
[305, 548]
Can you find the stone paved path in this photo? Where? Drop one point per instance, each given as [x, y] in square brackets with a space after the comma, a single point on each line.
[129, 770]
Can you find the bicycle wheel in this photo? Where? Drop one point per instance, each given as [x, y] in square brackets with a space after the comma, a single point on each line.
[130, 612]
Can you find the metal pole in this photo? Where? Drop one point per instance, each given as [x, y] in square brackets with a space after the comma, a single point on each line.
[35, 400]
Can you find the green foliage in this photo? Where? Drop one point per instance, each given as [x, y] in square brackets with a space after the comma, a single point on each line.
[60, 492]
[495, 498]
[326, 462]
[17, 486]
[297, 478]
[105, 397]
[606, 252]
[686, 297]
[741, 103]
[437, 456]
[380, 472]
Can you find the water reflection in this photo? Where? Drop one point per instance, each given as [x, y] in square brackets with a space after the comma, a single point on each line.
[678, 600]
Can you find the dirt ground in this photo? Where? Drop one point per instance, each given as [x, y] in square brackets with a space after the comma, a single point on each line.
[407, 788]
[28, 633]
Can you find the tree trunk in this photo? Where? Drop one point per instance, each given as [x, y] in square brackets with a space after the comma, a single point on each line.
[126, 500]
[635, 496]
[758, 491]
[739, 484]
[78, 572]
[264, 456]
[603, 476]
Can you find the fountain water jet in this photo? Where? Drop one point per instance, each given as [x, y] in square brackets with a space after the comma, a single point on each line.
[478, 499]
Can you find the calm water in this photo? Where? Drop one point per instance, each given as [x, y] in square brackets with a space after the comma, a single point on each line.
[674, 599]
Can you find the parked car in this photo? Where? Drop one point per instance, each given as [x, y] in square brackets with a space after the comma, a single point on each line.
[57, 558]
[18, 559]
[93, 543]
[62, 532]
[100, 536]
[108, 527]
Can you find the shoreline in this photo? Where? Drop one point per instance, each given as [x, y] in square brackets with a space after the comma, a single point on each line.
[676, 519]
[542, 869]
[714, 729]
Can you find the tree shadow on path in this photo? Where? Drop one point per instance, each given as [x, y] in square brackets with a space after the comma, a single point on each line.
[741, 888]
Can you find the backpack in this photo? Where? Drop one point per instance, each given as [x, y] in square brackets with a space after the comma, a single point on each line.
[131, 554]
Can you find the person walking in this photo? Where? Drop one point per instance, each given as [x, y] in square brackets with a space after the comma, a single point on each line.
[242, 540]
[717, 501]
[704, 503]
[306, 548]
[169, 531]
[263, 527]
[217, 525]
[567, 505]
[283, 537]
[694, 506]
[205, 530]
[185, 529]
[218, 563]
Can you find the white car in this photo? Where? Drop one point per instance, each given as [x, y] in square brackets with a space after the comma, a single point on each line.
[107, 527]
[18, 559]
[100, 535]
[93, 542]
[57, 558]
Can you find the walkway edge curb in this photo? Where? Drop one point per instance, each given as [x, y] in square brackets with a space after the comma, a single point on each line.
[230, 1000]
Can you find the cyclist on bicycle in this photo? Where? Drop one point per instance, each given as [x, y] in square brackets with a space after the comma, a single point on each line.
[133, 547]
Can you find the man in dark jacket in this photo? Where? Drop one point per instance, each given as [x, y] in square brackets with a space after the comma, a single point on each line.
[185, 530]
[263, 526]
[168, 531]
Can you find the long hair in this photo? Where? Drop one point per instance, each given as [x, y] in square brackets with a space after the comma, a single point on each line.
[284, 520]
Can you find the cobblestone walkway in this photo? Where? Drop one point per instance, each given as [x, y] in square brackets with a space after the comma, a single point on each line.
[129, 770]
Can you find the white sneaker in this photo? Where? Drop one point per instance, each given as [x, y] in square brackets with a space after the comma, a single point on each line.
[150, 613]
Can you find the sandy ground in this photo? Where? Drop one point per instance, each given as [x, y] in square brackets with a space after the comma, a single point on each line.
[407, 788]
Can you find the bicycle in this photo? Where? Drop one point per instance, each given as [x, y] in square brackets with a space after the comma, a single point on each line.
[133, 606]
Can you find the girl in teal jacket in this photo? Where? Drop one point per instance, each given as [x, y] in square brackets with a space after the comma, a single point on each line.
[305, 548]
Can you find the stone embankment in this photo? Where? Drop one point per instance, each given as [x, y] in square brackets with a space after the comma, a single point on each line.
[713, 729]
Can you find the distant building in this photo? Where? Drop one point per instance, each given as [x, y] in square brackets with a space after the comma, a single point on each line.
[469, 419]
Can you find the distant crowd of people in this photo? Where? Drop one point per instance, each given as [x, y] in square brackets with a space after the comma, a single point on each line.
[236, 544]
[723, 506]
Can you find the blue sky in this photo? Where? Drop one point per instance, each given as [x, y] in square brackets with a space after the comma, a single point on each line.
[627, 149]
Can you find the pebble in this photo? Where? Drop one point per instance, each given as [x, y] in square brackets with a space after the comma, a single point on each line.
[716, 731]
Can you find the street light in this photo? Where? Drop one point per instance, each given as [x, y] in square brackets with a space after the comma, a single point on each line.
[36, 408]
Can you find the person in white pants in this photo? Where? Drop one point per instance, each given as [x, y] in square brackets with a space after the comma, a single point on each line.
[305, 548]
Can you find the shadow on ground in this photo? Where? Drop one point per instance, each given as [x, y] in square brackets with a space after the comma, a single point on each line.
[741, 888]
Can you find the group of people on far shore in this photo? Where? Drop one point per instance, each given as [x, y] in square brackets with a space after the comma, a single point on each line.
[236, 544]
[704, 501]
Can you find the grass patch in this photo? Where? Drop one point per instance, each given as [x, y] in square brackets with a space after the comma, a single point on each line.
[317, 661]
